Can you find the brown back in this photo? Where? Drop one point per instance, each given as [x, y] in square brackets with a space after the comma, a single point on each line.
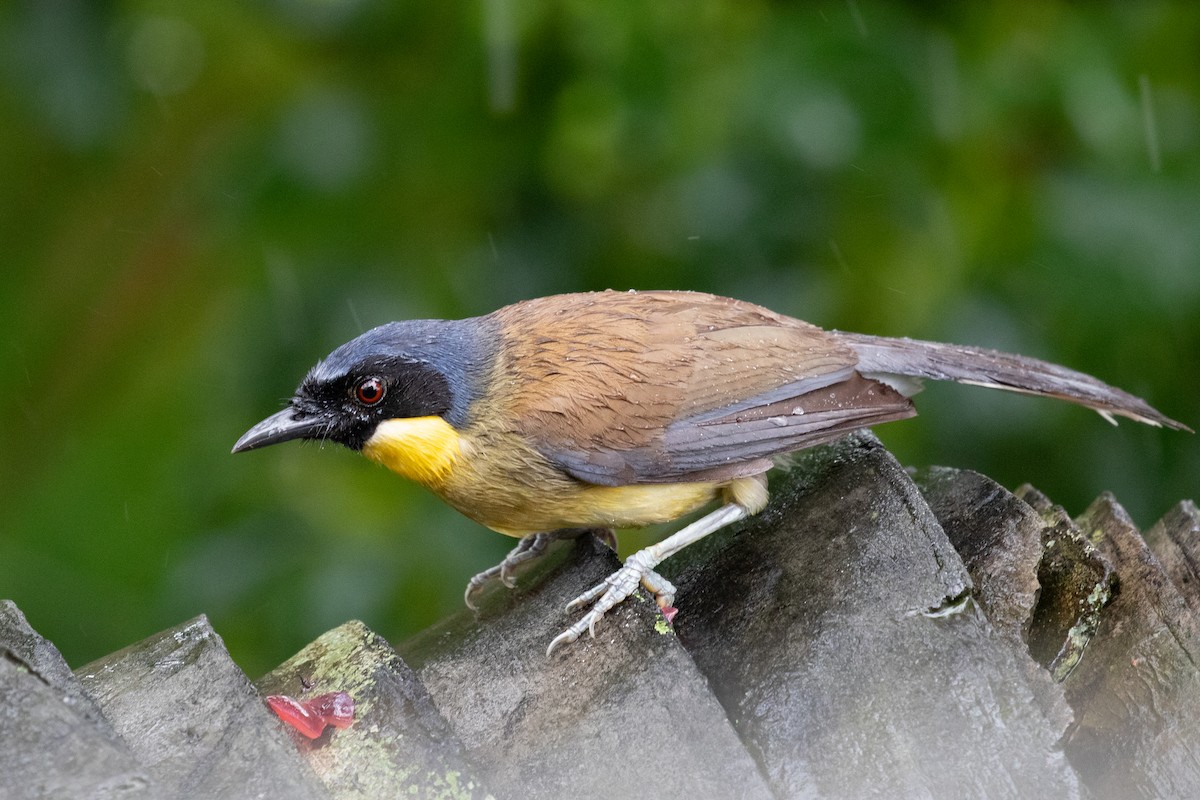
[648, 387]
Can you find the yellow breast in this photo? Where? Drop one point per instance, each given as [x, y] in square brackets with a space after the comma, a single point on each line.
[501, 482]
[422, 449]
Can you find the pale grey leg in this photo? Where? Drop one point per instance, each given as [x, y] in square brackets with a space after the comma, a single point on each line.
[528, 549]
[639, 568]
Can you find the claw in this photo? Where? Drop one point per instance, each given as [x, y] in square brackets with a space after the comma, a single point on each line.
[528, 549]
[566, 637]
[476, 583]
[638, 569]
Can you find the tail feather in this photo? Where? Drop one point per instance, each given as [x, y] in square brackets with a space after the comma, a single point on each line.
[893, 361]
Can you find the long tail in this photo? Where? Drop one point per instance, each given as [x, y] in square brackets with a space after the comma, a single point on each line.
[887, 359]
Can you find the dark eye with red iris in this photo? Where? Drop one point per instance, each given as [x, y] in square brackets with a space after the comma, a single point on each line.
[369, 391]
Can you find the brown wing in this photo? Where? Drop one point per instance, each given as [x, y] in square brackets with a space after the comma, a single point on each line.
[620, 388]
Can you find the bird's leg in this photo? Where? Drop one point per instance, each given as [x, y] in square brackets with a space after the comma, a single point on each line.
[639, 568]
[527, 549]
[606, 536]
[530, 548]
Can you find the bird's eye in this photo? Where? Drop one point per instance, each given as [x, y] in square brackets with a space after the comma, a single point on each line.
[369, 391]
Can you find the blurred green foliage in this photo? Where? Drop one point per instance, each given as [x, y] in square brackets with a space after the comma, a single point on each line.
[199, 200]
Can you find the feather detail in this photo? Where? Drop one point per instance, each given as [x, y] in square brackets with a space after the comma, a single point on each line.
[882, 356]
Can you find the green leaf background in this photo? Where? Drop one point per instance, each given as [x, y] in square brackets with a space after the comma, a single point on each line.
[199, 200]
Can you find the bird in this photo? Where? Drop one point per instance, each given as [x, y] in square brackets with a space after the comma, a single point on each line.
[582, 413]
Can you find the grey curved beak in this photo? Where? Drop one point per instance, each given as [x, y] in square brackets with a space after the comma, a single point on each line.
[281, 427]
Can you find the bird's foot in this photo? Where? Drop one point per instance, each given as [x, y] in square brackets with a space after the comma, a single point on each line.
[638, 568]
[528, 549]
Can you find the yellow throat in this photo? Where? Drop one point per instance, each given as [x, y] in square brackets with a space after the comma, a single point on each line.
[422, 449]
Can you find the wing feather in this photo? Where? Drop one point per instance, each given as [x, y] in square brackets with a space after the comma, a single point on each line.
[658, 387]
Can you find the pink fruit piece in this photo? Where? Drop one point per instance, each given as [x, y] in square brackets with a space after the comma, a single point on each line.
[335, 708]
[296, 714]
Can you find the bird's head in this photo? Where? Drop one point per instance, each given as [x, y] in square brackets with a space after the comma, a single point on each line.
[402, 370]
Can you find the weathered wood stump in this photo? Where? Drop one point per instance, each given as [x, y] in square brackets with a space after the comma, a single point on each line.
[872, 633]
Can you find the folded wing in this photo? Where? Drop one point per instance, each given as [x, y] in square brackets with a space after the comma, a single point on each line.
[660, 387]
